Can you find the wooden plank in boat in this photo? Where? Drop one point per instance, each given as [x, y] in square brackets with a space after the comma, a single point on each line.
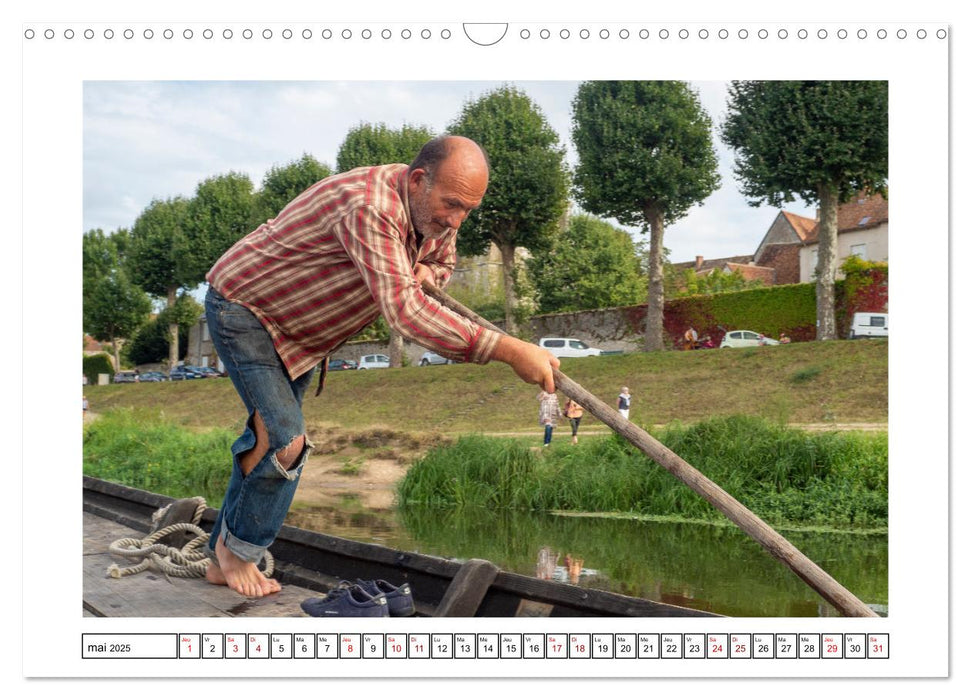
[152, 594]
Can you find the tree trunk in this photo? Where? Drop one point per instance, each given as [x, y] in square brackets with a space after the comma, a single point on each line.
[508, 252]
[173, 332]
[396, 346]
[826, 264]
[116, 352]
[654, 333]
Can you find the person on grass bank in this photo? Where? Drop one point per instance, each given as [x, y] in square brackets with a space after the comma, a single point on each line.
[352, 247]
[623, 402]
[549, 411]
[574, 412]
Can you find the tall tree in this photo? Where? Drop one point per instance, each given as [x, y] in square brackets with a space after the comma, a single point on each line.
[822, 141]
[528, 181]
[377, 144]
[114, 308]
[220, 213]
[100, 255]
[283, 183]
[591, 265]
[162, 258]
[645, 158]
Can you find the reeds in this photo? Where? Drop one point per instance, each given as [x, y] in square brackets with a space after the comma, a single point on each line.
[784, 475]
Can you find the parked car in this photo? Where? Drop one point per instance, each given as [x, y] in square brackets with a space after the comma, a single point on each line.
[182, 372]
[568, 347]
[125, 377]
[153, 377]
[433, 358]
[339, 364]
[870, 324]
[746, 339]
[374, 362]
[208, 372]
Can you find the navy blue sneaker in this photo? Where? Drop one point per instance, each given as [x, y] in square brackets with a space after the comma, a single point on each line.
[400, 601]
[347, 601]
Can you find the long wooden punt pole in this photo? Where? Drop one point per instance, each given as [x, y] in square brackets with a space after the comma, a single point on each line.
[779, 547]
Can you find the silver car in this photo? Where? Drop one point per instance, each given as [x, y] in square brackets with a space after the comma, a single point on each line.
[433, 358]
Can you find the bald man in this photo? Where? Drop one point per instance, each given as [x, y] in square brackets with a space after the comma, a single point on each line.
[351, 247]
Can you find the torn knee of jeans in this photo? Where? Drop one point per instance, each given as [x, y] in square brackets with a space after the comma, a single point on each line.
[293, 469]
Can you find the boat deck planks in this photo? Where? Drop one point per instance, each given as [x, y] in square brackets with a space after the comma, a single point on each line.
[153, 594]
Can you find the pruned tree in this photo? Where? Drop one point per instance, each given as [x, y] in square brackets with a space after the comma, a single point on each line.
[162, 259]
[219, 214]
[528, 181]
[645, 158]
[821, 141]
[283, 183]
[114, 308]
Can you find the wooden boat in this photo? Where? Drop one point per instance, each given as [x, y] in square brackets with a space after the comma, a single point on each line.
[310, 564]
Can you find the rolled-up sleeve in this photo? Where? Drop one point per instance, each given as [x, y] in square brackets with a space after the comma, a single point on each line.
[373, 243]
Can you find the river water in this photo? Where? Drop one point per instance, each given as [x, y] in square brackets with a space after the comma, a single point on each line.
[707, 567]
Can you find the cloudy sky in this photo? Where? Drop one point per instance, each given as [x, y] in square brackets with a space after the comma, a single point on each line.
[147, 140]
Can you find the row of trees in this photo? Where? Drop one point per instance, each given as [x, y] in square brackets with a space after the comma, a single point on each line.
[645, 158]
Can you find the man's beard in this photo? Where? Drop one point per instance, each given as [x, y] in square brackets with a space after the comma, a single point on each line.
[423, 220]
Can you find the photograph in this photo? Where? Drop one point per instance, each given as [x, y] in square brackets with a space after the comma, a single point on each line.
[557, 348]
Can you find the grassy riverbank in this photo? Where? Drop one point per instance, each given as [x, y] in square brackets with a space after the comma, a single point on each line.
[786, 476]
[818, 382]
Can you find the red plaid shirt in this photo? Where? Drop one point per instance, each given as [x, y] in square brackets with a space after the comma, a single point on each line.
[341, 253]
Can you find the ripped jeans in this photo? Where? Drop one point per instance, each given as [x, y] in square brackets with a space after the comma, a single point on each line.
[256, 504]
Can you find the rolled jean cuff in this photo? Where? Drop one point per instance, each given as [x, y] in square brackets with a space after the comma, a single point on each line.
[241, 548]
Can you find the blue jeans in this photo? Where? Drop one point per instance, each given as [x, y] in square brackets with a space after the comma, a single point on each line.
[547, 434]
[256, 504]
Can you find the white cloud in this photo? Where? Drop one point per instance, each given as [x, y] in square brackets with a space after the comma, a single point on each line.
[147, 140]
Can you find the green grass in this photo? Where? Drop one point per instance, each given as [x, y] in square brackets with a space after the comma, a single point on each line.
[842, 381]
[146, 450]
[786, 476]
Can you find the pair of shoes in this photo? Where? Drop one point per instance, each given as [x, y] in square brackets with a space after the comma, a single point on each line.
[400, 601]
[347, 600]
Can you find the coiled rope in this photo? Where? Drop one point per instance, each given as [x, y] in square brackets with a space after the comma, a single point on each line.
[189, 561]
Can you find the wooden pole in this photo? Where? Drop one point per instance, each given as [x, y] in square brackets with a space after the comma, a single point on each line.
[779, 547]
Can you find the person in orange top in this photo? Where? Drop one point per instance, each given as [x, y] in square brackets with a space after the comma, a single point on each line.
[574, 412]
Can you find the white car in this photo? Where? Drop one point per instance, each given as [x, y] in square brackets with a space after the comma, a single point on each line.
[746, 339]
[374, 362]
[568, 347]
[870, 324]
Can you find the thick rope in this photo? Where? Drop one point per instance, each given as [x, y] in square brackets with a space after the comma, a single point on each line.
[191, 561]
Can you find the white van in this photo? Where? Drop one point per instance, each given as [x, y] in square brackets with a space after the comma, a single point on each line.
[568, 347]
[870, 324]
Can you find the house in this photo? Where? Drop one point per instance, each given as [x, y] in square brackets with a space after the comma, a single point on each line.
[791, 244]
[862, 229]
[201, 352]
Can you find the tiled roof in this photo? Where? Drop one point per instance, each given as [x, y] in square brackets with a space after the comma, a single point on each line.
[860, 213]
[754, 272]
[800, 224]
[714, 262]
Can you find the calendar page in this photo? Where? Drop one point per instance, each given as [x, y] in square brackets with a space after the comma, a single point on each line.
[128, 113]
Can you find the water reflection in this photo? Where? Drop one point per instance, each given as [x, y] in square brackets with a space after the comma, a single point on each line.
[718, 569]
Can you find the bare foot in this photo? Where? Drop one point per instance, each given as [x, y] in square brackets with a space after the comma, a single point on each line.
[242, 576]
